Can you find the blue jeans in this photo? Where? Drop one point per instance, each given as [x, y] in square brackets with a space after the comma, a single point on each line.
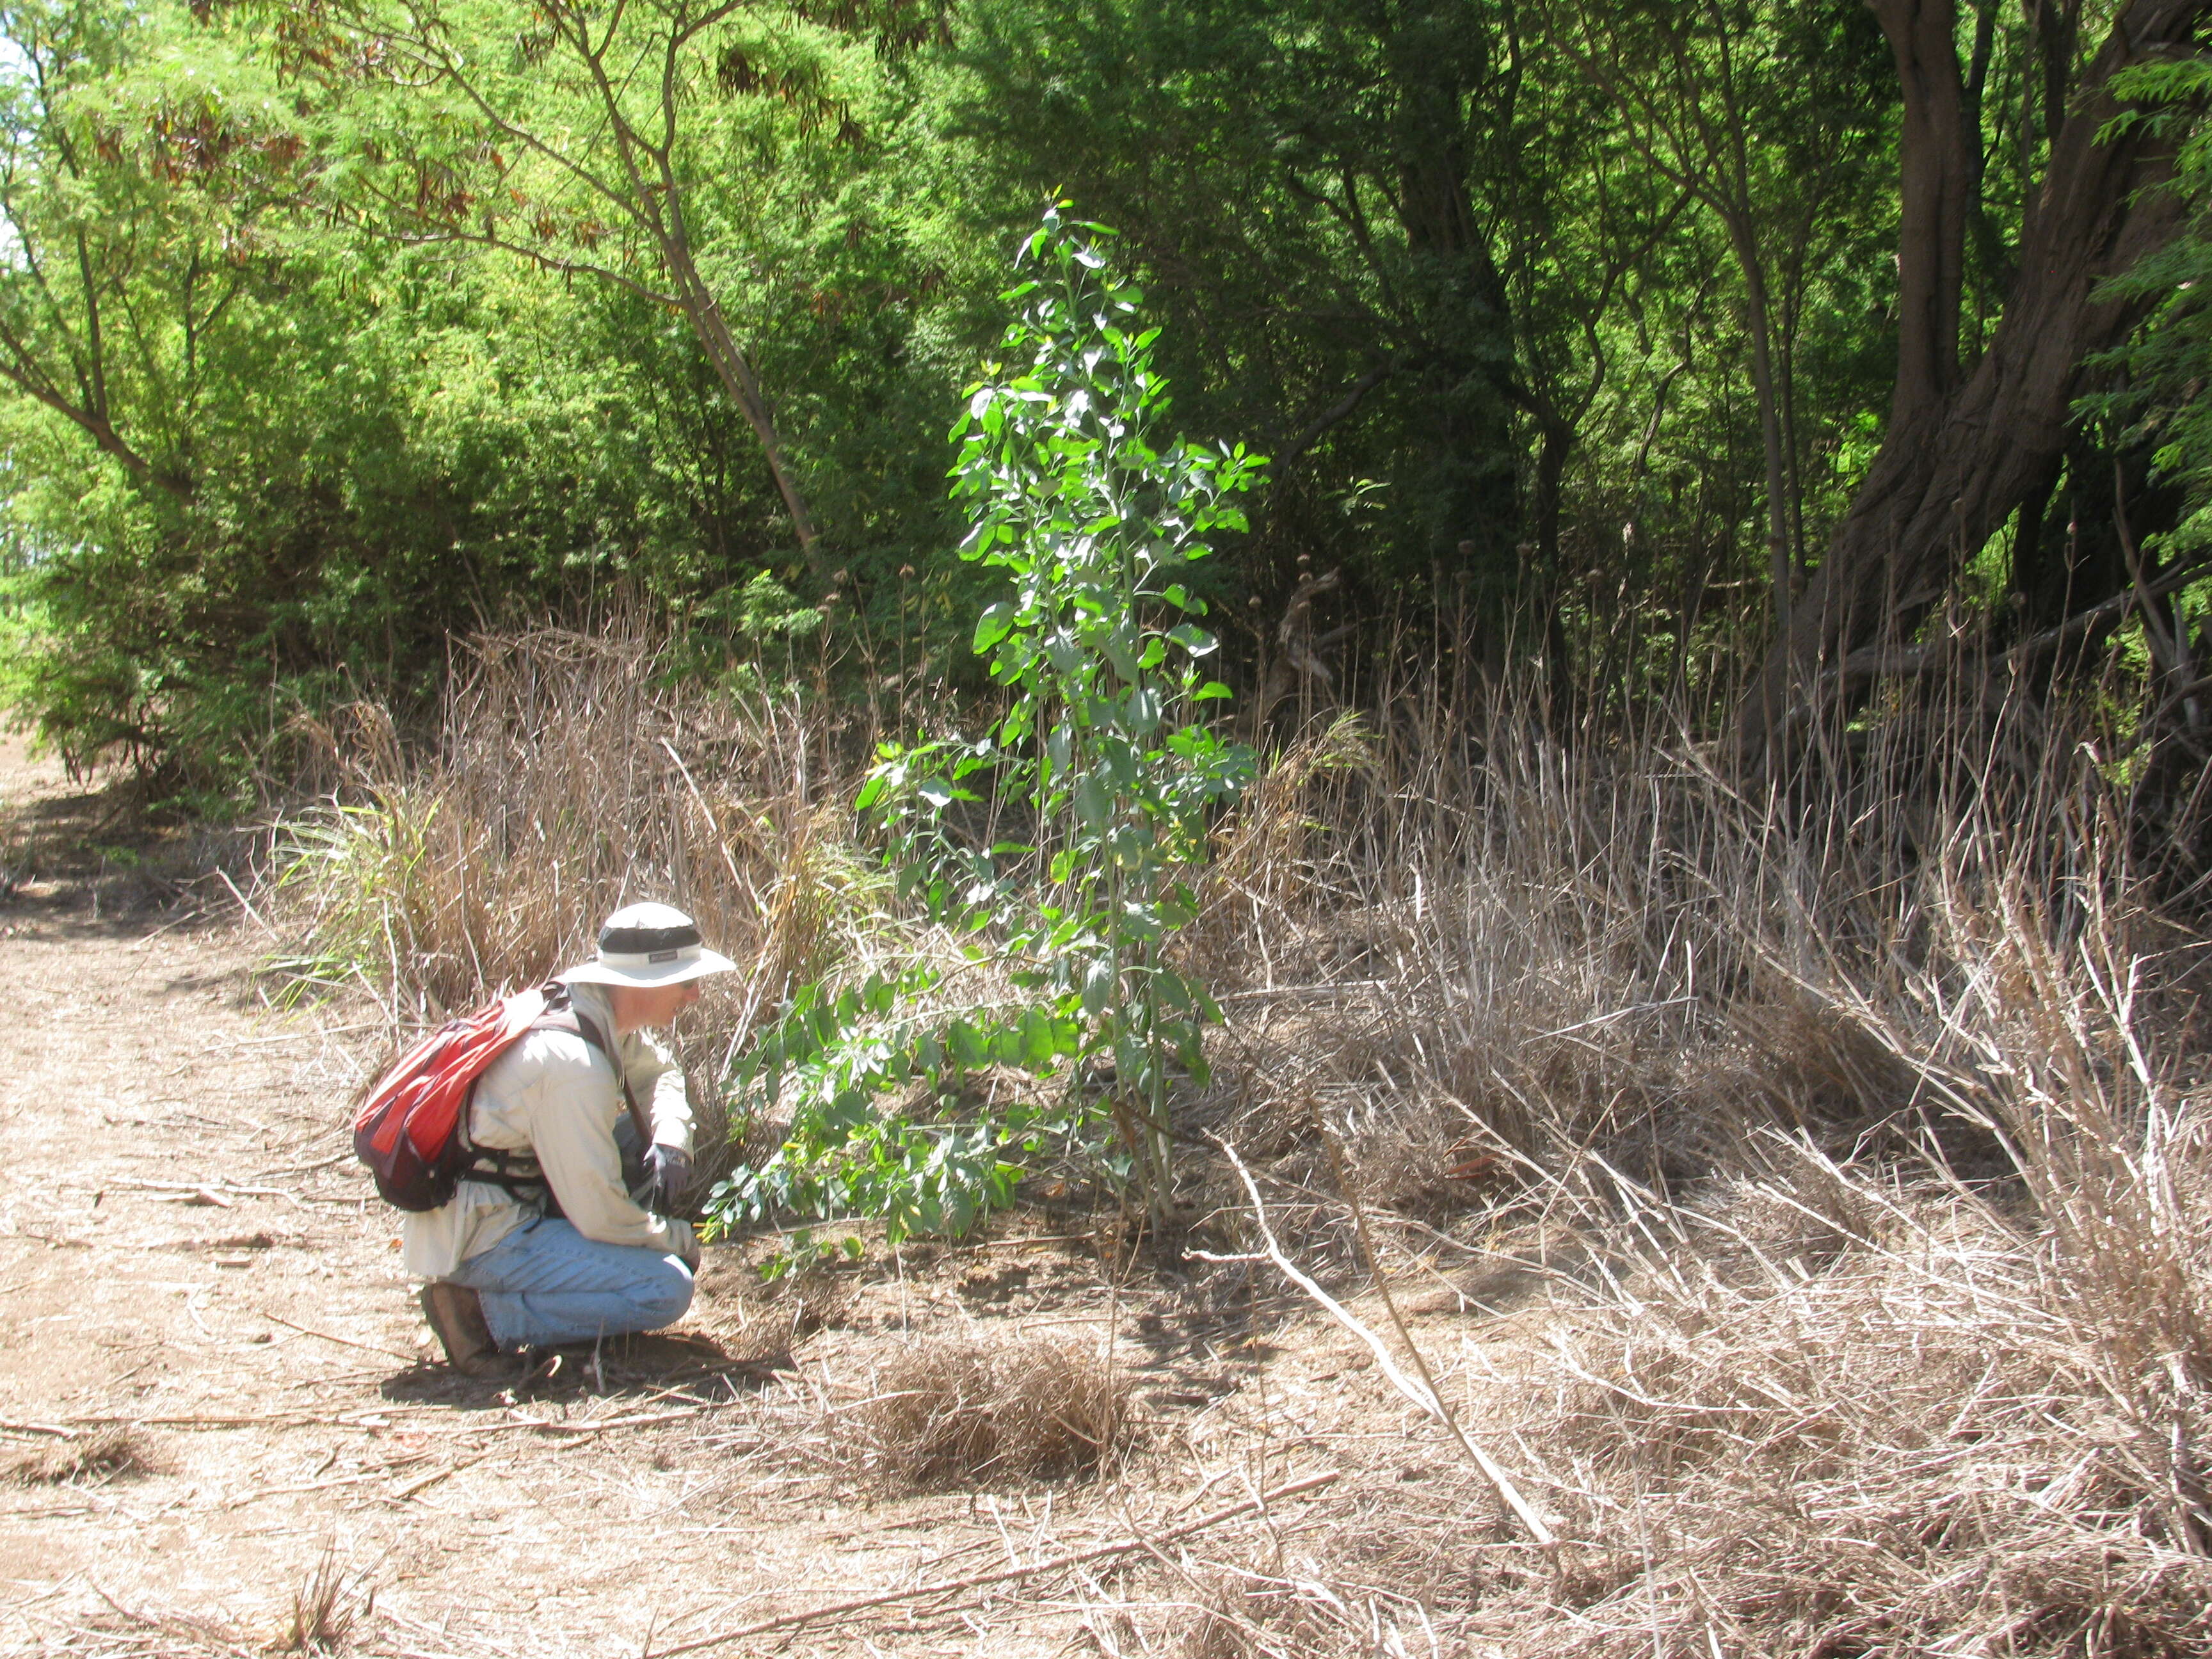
[546, 1283]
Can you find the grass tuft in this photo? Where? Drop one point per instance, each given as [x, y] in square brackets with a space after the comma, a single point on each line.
[955, 1412]
[327, 1608]
[115, 1452]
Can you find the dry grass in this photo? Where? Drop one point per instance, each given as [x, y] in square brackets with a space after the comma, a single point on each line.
[956, 1411]
[100, 1454]
[1896, 1443]
[571, 775]
[1836, 1164]
[1825, 1170]
[327, 1608]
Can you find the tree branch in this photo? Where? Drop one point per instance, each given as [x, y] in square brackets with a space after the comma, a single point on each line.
[1877, 662]
[446, 67]
[26, 376]
[554, 262]
[1422, 1395]
[1341, 409]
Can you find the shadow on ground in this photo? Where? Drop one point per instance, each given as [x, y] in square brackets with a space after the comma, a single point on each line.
[638, 1367]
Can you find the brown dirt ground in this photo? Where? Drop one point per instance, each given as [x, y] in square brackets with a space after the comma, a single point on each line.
[187, 1251]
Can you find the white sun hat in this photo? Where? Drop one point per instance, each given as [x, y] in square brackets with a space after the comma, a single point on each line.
[647, 945]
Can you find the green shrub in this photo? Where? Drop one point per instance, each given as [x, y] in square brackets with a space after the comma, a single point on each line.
[1105, 753]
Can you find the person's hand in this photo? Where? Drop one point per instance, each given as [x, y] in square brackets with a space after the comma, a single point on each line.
[667, 1178]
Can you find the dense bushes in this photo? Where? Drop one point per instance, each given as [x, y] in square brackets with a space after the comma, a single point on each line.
[312, 360]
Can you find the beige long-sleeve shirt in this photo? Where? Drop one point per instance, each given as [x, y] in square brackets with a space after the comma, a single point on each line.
[554, 1095]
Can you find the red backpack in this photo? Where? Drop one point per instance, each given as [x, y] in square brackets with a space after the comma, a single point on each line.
[412, 1127]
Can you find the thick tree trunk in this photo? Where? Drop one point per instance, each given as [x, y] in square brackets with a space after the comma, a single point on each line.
[1934, 177]
[1954, 463]
[1464, 316]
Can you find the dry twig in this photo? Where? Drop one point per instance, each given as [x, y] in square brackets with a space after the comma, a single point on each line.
[1004, 1575]
[1420, 1392]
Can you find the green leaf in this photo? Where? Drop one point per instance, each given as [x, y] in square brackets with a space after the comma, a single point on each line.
[1094, 802]
[1039, 1049]
[964, 1045]
[1099, 984]
[993, 625]
[1120, 647]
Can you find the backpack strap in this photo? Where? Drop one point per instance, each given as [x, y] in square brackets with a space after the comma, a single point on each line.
[562, 1014]
[516, 1172]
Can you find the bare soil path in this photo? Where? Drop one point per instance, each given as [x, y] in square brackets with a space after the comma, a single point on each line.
[214, 1382]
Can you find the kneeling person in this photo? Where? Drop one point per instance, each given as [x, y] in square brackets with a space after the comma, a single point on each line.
[550, 1238]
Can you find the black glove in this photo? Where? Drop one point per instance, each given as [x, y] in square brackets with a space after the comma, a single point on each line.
[667, 1179]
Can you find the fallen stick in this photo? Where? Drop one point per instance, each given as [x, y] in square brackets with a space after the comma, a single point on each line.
[255, 1497]
[190, 1186]
[368, 1420]
[197, 1195]
[434, 1477]
[1026, 1238]
[1419, 1393]
[302, 1036]
[53, 1240]
[12, 1427]
[344, 1156]
[143, 939]
[558, 1425]
[273, 1419]
[343, 1341]
[1004, 1575]
[245, 904]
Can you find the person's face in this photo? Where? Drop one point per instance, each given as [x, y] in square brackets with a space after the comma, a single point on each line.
[638, 1006]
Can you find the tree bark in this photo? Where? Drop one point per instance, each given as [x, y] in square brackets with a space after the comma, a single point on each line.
[1759, 324]
[1934, 179]
[736, 372]
[1955, 462]
[1462, 315]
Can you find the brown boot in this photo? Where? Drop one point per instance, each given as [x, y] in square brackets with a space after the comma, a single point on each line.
[457, 1315]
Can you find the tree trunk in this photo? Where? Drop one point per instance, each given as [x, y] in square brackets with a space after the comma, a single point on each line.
[1759, 323]
[1463, 315]
[1935, 175]
[1955, 460]
[744, 387]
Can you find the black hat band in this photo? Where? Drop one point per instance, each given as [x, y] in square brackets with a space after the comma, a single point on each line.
[648, 941]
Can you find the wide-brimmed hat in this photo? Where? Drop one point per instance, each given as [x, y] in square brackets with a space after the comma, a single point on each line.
[647, 945]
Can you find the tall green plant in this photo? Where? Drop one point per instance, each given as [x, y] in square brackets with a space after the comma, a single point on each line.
[1076, 492]
[1077, 495]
